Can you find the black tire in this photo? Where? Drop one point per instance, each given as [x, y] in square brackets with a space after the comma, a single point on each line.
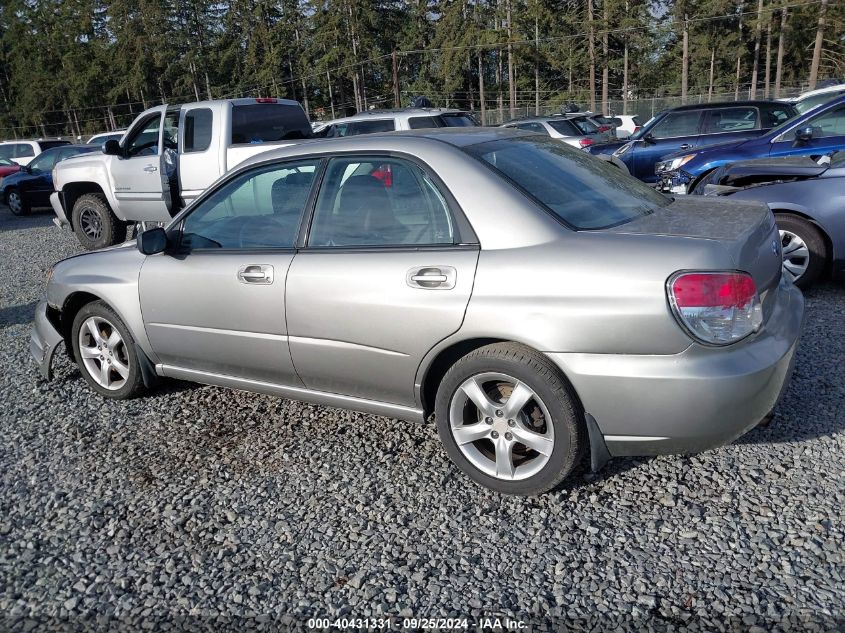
[547, 382]
[133, 384]
[94, 223]
[16, 202]
[808, 233]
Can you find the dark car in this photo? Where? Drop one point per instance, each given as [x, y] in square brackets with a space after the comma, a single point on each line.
[691, 126]
[808, 200]
[32, 185]
[816, 133]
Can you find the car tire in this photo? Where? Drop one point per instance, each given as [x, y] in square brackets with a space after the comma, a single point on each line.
[16, 202]
[804, 249]
[484, 441]
[105, 352]
[94, 223]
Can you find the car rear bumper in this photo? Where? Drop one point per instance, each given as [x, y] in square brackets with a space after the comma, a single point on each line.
[44, 340]
[56, 202]
[689, 402]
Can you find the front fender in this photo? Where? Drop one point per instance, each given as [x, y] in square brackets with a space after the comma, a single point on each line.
[85, 172]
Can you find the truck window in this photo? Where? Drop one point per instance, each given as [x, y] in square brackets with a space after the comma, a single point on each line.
[24, 150]
[267, 122]
[198, 124]
[144, 138]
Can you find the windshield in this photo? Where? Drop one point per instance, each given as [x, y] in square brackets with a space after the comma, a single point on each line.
[582, 190]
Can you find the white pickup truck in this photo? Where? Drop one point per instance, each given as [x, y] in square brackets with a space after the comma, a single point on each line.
[167, 157]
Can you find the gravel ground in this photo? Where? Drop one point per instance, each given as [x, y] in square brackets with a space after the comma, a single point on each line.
[207, 509]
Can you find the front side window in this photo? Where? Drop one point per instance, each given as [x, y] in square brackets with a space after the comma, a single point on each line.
[724, 120]
[198, 130]
[261, 208]
[581, 190]
[674, 124]
[379, 201]
[831, 123]
[144, 140]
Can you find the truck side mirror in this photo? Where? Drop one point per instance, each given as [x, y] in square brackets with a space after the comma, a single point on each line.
[804, 134]
[111, 148]
[152, 241]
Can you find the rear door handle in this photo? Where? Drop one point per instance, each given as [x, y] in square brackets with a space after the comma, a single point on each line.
[256, 274]
[432, 277]
[151, 168]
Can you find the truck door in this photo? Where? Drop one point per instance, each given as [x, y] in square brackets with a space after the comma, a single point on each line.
[199, 149]
[141, 174]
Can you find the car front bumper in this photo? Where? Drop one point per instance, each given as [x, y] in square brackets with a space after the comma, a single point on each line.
[689, 402]
[44, 340]
[61, 217]
[676, 182]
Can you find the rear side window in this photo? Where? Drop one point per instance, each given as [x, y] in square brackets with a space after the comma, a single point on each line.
[532, 127]
[198, 130]
[581, 190]
[725, 120]
[584, 125]
[567, 128]
[24, 150]
[268, 122]
[423, 122]
[680, 123]
[458, 119]
[774, 115]
[355, 128]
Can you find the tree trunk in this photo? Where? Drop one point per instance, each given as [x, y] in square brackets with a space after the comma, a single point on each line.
[739, 53]
[331, 95]
[817, 49]
[536, 67]
[781, 44]
[605, 72]
[752, 94]
[625, 68]
[500, 104]
[592, 48]
[685, 62]
[397, 102]
[481, 89]
[511, 86]
[710, 82]
[767, 85]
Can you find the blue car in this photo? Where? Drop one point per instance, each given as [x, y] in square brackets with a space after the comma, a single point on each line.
[32, 185]
[815, 133]
[808, 200]
[692, 126]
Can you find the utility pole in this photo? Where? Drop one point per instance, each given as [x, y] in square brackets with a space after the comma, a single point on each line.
[511, 86]
[781, 44]
[396, 100]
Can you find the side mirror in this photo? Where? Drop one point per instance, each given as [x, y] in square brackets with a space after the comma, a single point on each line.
[152, 241]
[649, 138]
[111, 147]
[804, 134]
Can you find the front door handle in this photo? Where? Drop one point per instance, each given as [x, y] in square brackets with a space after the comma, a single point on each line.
[685, 146]
[256, 274]
[150, 168]
[432, 277]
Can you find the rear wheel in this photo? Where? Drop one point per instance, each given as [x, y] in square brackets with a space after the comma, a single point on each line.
[94, 223]
[17, 205]
[804, 249]
[508, 419]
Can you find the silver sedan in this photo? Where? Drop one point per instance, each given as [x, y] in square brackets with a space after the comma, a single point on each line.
[541, 305]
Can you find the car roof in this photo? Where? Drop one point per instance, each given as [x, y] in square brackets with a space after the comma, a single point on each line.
[725, 104]
[551, 117]
[392, 113]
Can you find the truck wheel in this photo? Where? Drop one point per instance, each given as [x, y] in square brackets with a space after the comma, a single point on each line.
[804, 250]
[94, 223]
[17, 205]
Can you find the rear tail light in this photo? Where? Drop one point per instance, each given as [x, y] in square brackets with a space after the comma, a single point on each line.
[716, 308]
[585, 142]
[637, 129]
[604, 128]
[266, 100]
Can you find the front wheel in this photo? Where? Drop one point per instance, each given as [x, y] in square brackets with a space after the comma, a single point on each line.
[17, 205]
[105, 352]
[509, 420]
[94, 223]
[804, 250]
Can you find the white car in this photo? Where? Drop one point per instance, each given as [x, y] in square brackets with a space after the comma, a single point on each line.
[630, 124]
[22, 152]
[99, 139]
[576, 129]
[373, 121]
[811, 99]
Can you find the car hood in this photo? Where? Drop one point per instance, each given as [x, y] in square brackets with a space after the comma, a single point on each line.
[716, 148]
[765, 169]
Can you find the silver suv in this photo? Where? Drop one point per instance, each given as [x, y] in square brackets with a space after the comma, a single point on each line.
[373, 121]
[576, 129]
[540, 305]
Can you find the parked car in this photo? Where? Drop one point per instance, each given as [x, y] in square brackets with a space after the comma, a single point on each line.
[691, 126]
[8, 166]
[811, 99]
[807, 198]
[576, 129]
[373, 121]
[630, 125]
[169, 155]
[100, 139]
[22, 152]
[31, 186]
[481, 274]
[815, 133]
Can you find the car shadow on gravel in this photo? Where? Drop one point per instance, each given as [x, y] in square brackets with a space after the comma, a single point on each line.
[16, 315]
[37, 218]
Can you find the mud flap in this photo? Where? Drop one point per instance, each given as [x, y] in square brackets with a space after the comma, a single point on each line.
[43, 341]
[599, 455]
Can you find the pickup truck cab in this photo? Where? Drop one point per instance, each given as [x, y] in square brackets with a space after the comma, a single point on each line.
[168, 156]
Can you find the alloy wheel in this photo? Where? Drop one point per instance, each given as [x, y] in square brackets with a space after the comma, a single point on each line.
[796, 255]
[103, 353]
[91, 223]
[501, 426]
[15, 202]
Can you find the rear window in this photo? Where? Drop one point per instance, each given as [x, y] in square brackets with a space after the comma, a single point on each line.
[423, 122]
[268, 122]
[584, 125]
[48, 144]
[354, 128]
[562, 126]
[581, 190]
[458, 119]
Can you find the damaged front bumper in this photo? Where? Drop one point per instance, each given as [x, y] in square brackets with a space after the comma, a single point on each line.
[44, 340]
[677, 181]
